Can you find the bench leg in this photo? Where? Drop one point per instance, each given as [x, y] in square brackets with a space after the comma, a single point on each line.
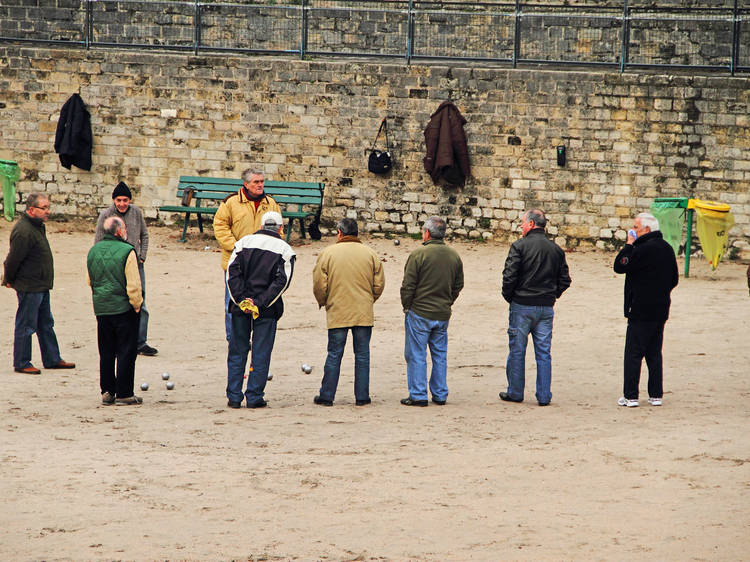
[301, 227]
[185, 227]
[289, 230]
[200, 222]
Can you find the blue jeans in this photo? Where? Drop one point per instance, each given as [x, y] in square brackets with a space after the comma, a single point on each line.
[34, 315]
[263, 331]
[523, 319]
[227, 314]
[336, 343]
[143, 322]
[419, 334]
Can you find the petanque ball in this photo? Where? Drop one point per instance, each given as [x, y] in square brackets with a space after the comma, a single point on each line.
[307, 369]
[170, 385]
[165, 376]
[269, 377]
[144, 386]
[396, 242]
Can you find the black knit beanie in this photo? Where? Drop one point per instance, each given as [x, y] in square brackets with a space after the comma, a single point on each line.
[122, 189]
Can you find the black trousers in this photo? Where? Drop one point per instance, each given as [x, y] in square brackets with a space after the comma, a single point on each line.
[117, 336]
[643, 340]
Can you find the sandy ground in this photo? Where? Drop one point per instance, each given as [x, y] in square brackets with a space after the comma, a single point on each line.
[184, 478]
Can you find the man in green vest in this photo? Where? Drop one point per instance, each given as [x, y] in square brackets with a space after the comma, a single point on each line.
[116, 288]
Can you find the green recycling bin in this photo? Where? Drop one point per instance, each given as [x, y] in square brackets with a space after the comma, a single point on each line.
[671, 213]
[9, 174]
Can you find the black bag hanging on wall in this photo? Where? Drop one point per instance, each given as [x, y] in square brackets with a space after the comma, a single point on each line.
[380, 162]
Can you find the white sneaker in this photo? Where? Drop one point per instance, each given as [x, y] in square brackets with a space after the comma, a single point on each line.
[629, 403]
[654, 401]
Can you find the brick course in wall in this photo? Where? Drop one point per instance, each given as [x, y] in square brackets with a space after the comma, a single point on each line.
[156, 116]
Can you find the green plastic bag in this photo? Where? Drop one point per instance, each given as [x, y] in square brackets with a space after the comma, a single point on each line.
[9, 174]
[671, 222]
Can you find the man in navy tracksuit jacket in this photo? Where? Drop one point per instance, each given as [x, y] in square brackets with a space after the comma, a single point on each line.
[259, 271]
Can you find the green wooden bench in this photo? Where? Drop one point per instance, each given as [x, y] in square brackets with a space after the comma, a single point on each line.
[202, 195]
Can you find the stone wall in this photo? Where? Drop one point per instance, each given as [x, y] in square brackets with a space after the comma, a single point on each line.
[156, 116]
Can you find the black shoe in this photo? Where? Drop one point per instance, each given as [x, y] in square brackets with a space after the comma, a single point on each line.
[409, 402]
[233, 404]
[363, 402]
[261, 404]
[544, 403]
[438, 402]
[147, 350]
[506, 397]
[322, 402]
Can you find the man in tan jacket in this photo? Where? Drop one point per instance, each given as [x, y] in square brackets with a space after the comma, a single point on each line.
[347, 279]
[237, 216]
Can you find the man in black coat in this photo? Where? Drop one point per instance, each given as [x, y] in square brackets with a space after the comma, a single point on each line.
[535, 275]
[650, 269]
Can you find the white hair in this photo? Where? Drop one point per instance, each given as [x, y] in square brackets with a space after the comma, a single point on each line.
[649, 220]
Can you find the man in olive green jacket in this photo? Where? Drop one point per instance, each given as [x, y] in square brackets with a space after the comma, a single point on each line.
[116, 289]
[29, 269]
[347, 279]
[433, 278]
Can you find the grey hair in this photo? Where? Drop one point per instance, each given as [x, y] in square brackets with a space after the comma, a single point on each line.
[252, 172]
[33, 198]
[649, 220]
[536, 215]
[436, 227]
[348, 227]
[112, 225]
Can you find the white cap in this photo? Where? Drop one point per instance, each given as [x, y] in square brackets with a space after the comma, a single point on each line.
[271, 218]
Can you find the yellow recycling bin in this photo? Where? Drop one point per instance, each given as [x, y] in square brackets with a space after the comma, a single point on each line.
[713, 225]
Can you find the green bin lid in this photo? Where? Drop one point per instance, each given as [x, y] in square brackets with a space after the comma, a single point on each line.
[9, 162]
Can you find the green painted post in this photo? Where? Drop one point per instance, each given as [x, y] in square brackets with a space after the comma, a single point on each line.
[689, 243]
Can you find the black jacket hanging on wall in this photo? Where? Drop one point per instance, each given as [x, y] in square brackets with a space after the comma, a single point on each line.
[73, 139]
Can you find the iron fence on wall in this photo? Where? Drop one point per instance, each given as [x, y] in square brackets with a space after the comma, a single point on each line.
[621, 35]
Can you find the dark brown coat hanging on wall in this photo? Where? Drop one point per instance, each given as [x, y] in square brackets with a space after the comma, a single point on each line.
[447, 155]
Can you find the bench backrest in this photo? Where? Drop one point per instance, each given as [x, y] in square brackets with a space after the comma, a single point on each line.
[286, 192]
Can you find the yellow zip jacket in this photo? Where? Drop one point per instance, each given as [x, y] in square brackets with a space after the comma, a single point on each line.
[238, 217]
[347, 279]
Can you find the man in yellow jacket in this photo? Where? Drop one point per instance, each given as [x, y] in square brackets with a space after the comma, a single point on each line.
[347, 279]
[237, 216]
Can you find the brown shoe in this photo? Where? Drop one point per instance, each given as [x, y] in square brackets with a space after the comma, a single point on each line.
[129, 401]
[30, 370]
[62, 365]
[108, 398]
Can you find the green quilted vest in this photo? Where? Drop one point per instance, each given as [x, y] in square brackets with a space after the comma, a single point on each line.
[106, 265]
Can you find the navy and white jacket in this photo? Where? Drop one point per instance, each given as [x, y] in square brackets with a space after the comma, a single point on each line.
[260, 268]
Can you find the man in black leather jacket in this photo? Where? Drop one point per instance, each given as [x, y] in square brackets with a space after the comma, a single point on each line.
[650, 269]
[535, 276]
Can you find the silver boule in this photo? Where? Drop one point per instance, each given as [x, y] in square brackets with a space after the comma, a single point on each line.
[170, 385]
[144, 386]
[307, 369]
[269, 377]
[396, 242]
[165, 376]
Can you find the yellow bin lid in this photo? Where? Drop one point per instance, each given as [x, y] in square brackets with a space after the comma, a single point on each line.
[709, 205]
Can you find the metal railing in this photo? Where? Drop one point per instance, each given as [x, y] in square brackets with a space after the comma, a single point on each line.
[619, 34]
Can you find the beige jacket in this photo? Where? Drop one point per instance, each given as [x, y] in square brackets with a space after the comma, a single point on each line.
[238, 217]
[347, 279]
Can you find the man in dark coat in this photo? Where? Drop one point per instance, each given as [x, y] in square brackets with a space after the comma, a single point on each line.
[447, 151]
[535, 275]
[650, 269]
[29, 269]
[73, 139]
[259, 271]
